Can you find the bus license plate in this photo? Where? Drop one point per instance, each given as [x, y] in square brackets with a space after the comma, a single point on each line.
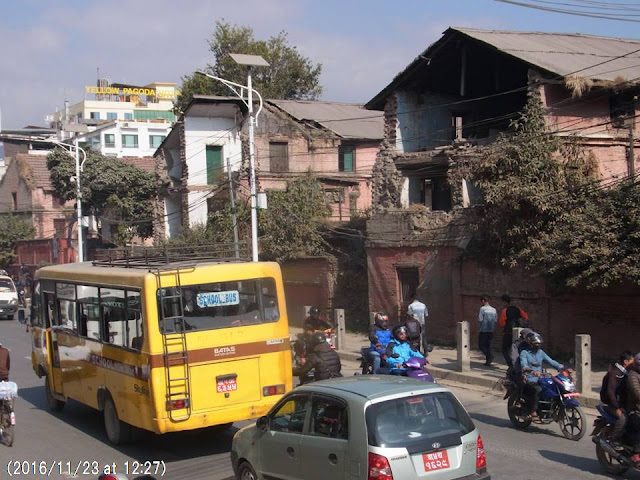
[435, 460]
[227, 385]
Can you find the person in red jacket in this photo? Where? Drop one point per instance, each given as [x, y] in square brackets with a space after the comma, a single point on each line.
[509, 318]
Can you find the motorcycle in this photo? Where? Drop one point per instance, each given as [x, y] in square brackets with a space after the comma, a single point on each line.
[366, 365]
[557, 403]
[8, 391]
[416, 368]
[614, 461]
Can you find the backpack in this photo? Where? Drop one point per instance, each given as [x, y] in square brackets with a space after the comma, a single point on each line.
[413, 327]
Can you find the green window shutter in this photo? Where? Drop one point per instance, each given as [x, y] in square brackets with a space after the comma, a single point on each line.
[345, 159]
[214, 164]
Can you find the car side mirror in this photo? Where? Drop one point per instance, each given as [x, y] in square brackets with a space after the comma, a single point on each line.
[22, 318]
[263, 423]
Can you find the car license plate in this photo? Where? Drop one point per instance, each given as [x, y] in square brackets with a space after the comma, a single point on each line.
[435, 460]
[227, 385]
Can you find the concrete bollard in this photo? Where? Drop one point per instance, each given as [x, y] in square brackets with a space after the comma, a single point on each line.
[583, 363]
[464, 346]
[515, 333]
[339, 322]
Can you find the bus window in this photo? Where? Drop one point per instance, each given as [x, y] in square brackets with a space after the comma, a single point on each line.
[89, 321]
[36, 308]
[115, 326]
[222, 305]
[134, 319]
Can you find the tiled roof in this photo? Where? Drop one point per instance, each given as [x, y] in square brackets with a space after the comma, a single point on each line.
[37, 170]
[148, 164]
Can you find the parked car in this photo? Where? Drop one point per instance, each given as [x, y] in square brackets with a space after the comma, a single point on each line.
[362, 427]
[8, 297]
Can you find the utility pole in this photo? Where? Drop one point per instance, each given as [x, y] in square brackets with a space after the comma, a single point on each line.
[632, 160]
[252, 170]
[79, 204]
[234, 221]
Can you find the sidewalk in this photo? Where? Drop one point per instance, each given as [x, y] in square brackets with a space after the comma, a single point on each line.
[443, 365]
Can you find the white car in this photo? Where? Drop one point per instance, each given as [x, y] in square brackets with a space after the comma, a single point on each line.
[8, 298]
[363, 427]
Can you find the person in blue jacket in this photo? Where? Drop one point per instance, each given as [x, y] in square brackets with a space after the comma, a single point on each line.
[531, 361]
[379, 336]
[399, 351]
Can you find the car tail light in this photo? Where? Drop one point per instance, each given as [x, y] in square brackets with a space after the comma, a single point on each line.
[481, 457]
[178, 404]
[379, 468]
[272, 390]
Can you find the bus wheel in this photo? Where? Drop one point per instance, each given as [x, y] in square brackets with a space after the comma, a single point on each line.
[53, 403]
[117, 431]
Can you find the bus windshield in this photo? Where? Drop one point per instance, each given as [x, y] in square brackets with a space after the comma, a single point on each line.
[217, 305]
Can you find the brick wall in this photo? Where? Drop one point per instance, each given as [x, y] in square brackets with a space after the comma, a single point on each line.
[451, 287]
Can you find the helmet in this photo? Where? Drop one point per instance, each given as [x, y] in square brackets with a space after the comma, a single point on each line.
[398, 329]
[534, 338]
[381, 319]
[525, 332]
[636, 362]
[314, 311]
[317, 338]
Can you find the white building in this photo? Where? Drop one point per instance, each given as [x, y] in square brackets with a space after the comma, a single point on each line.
[198, 167]
[127, 138]
[110, 102]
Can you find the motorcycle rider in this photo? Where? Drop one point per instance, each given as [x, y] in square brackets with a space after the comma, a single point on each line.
[5, 363]
[322, 357]
[379, 336]
[399, 350]
[514, 373]
[633, 405]
[315, 322]
[531, 361]
[612, 393]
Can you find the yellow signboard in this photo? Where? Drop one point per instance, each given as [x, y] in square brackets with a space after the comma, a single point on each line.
[152, 92]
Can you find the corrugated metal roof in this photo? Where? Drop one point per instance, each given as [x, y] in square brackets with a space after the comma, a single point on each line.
[564, 54]
[567, 53]
[348, 120]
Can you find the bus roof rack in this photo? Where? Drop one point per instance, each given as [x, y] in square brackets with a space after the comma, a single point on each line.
[168, 256]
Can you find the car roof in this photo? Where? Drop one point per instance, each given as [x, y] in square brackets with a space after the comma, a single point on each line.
[364, 388]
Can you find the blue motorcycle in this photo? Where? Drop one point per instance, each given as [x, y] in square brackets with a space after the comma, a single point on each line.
[557, 404]
[613, 460]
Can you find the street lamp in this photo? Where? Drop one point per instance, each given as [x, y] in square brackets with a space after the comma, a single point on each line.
[79, 166]
[249, 61]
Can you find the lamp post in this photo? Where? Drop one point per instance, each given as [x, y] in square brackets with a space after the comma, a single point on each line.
[258, 61]
[79, 166]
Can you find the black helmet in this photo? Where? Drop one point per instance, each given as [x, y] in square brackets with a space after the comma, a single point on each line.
[314, 311]
[317, 338]
[381, 319]
[636, 362]
[398, 329]
[533, 338]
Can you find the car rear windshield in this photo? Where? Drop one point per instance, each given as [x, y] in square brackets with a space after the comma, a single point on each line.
[6, 285]
[418, 422]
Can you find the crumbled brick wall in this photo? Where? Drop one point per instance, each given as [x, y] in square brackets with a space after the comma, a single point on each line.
[386, 185]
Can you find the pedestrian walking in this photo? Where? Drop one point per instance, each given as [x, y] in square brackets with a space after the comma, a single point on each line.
[510, 318]
[419, 310]
[487, 316]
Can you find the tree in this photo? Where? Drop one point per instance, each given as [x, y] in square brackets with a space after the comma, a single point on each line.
[290, 226]
[12, 230]
[115, 191]
[545, 208]
[289, 76]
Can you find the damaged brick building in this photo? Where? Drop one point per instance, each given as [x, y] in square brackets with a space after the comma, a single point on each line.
[451, 100]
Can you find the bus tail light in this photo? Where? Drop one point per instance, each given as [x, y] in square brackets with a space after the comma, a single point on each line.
[272, 390]
[178, 404]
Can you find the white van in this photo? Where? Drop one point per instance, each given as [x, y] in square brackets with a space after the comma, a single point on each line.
[8, 298]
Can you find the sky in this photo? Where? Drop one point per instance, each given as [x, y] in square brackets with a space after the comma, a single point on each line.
[51, 50]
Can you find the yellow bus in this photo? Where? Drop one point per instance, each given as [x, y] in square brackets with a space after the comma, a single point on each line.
[162, 345]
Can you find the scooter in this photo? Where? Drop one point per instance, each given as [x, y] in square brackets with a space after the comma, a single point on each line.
[8, 391]
[614, 461]
[416, 368]
[557, 403]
